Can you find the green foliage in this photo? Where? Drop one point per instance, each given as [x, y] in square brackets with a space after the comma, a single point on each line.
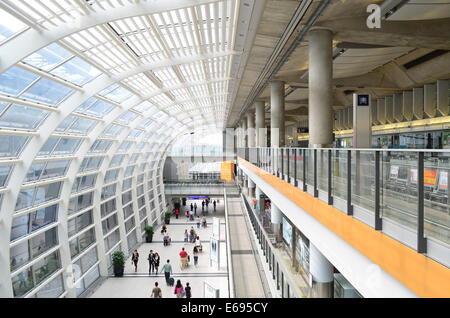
[167, 215]
[149, 230]
[118, 259]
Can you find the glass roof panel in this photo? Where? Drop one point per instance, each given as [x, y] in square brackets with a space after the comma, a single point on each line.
[48, 58]
[75, 125]
[15, 80]
[95, 107]
[9, 25]
[48, 92]
[11, 146]
[116, 93]
[22, 117]
[77, 71]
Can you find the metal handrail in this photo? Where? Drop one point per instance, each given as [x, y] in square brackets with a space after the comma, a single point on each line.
[278, 161]
[361, 149]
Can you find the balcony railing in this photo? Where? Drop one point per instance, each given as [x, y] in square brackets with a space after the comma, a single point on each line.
[407, 187]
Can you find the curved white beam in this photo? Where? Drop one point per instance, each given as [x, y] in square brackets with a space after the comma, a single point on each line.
[30, 41]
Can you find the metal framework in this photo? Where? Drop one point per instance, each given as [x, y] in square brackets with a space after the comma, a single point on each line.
[92, 95]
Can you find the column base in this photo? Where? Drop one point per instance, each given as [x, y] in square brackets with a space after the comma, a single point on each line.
[322, 290]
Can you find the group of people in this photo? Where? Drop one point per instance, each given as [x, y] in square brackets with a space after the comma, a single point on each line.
[179, 290]
[190, 236]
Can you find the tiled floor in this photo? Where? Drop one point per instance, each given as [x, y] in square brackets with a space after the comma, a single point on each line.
[140, 284]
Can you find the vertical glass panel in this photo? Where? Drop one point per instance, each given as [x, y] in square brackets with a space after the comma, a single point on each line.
[20, 227]
[25, 199]
[322, 169]
[53, 289]
[66, 146]
[76, 125]
[47, 192]
[55, 169]
[43, 217]
[35, 171]
[77, 71]
[48, 58]
[19, 255]
[48, 147]
[436, 196]
[15, 80]
[11, 146]
[48, 92]
[5, 170]
[340, 174]
[363, 179]
[399, 180]
[43, 242]
[46, 267]
[22, 283]
[23, 117]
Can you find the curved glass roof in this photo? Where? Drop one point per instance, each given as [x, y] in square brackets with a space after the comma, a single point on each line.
[88, 111]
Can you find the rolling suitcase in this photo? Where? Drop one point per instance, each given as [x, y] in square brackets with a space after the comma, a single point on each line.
[171, 281]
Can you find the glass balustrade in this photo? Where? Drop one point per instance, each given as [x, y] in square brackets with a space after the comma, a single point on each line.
[408, 188]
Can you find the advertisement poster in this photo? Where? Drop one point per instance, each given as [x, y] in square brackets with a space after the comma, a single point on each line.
[216, 228]
[429, 177]
[214, 249]
[287, 232]
[394, 172]
[443, 179]
[413, 175]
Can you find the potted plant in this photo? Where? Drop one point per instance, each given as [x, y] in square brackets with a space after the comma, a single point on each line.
[118, 260]
[167, 217]
[149, 232]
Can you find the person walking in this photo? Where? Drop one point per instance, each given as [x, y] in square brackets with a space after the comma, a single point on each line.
[157, 260]
[198, 222]
[214, 203]
[195, 253]
[204, 222]
[156, 292]
[192, 235]
[187, 291]
[151, 262]
[195, 208]
[167, 269]
[176, 213]
[135, 259]
[192, 207]
[179, 289]
[186, 235]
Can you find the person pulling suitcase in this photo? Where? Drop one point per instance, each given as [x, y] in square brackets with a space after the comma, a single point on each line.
[167, 269]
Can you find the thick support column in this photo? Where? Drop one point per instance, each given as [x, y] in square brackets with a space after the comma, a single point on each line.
[251, 130]
[251, 188]
[261, 139]
[320, 88]
[244, 133]
[322, 272]
[277, 114]
[276, 219]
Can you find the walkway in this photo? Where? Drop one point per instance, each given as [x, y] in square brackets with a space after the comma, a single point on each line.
[139, 284]
[247, 276]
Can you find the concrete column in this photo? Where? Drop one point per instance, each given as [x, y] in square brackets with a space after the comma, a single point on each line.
[277, 114]
[261, 140]
[258, 194]
[251, 130]
[322, 272]
[251, 188]
[320, 88]
[276, 219]
[244, 133]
